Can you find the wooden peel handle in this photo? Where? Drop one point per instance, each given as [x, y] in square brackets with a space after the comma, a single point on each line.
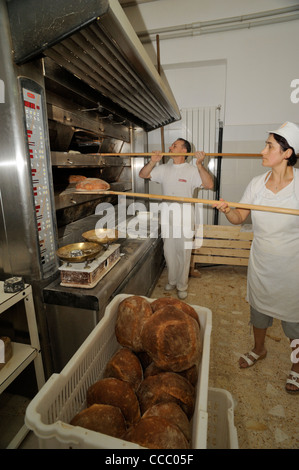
[239, 205]
[192, 154]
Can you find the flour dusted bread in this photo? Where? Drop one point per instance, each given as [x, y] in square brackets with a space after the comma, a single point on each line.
[157, 433]
[115, 392]
[125, 365]
[173, 413]
[172, 339]
[132, 313]
[166, 387]
[106, 419]
[165, 301]
[76, 178]
[92, 184]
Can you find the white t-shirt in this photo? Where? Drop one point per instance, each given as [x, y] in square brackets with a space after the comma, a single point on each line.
[181, 181]
[177, 180]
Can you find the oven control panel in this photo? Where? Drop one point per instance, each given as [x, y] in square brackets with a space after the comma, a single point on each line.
[40, 170]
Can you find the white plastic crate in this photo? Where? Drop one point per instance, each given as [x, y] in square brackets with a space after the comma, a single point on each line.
[222, 433]
[64, 394]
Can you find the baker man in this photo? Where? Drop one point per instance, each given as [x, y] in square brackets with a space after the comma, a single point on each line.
[178, 179]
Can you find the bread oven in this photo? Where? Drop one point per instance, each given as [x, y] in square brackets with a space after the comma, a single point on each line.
[77, 85]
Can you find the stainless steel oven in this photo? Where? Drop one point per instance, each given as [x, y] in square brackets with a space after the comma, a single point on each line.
[76, 83]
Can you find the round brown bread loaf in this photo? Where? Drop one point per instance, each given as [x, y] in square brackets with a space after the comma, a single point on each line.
[92, 184]
[173, 413]
[131, 316]
[115, 392]
[172, 339]
[125, 365]
[156, 433]
[166, 387]
[165, 301]
[106, 419]
[190, 374]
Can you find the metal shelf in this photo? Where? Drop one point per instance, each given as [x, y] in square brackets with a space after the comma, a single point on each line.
[23, 354]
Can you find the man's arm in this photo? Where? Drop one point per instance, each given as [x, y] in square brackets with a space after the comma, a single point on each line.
[145, 172]
[206, 178]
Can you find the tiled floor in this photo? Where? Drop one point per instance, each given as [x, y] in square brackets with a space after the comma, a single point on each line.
[266, 417]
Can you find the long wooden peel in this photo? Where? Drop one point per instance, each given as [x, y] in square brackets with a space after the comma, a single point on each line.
[191, 154]
[239, 205]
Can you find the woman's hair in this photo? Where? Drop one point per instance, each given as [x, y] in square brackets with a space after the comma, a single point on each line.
[186, 144]
[292, 160]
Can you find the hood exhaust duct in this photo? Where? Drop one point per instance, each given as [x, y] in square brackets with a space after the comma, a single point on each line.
[93, 41]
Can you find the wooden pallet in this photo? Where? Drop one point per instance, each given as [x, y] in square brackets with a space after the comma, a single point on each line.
[221, 244]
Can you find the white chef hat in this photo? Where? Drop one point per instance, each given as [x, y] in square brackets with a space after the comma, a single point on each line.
[290, 132]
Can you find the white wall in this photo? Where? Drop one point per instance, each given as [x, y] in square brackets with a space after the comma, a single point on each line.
[247, 71]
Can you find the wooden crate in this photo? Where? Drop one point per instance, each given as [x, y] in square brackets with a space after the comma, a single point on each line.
[222, 245]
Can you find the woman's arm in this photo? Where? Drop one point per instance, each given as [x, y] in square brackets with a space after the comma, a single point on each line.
[234, 216]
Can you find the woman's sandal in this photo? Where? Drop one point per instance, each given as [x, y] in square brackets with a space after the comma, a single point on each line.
[294, 380]
[248, 359]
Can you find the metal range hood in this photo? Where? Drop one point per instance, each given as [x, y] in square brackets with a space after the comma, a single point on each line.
[94, 41]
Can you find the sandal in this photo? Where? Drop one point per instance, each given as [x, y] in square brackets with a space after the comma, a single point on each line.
[250, 362]
[294, 380]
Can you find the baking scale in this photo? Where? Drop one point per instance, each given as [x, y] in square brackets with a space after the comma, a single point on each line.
[88, 273]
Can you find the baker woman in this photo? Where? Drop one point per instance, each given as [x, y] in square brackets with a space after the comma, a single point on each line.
[273, 270]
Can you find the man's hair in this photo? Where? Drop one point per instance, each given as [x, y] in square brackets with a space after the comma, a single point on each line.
[187, 144]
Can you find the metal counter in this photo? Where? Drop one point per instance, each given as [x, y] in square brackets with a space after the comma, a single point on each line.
[72, 313]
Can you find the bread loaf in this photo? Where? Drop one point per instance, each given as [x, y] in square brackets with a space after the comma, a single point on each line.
[5, 351]
[92, 184]
[157, 433]
[172, 339]
[174, 413]
[106, 419]
[76, 178]
[166, 387]
[131, 316]
[115, 392]
[125, 365]
[165, 301]
[190, 374]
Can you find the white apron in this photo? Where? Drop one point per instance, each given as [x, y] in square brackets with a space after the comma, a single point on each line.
[273, 270]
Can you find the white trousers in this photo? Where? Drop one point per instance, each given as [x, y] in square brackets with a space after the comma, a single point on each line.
[177, 259]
